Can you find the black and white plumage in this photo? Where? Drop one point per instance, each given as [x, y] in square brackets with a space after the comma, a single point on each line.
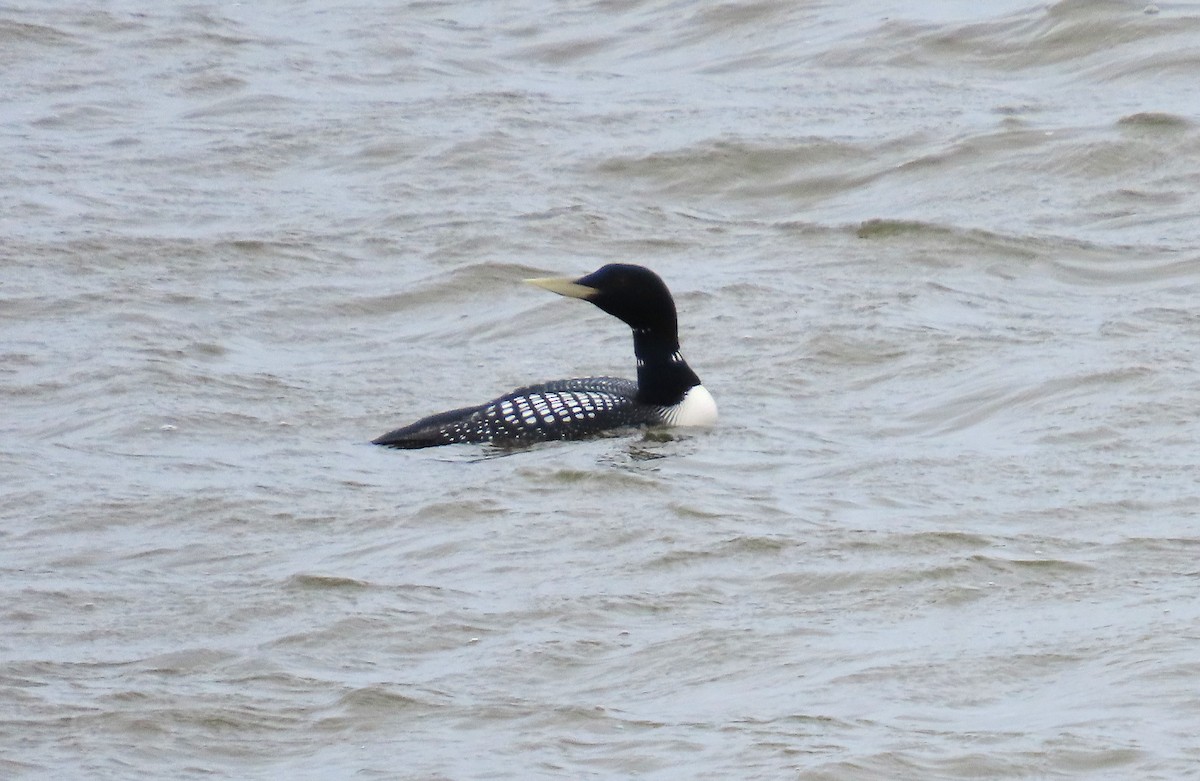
[667, 392]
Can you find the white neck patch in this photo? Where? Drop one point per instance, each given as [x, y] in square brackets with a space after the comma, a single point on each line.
[697, 409]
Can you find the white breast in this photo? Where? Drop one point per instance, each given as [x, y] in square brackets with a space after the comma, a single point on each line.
[696, 409]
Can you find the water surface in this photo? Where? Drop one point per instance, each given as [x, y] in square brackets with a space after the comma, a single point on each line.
[937, 263]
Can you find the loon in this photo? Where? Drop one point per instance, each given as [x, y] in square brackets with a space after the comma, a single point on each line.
[667, 392]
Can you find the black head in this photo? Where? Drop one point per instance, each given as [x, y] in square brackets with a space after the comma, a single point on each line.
[638, 297]
[633, 294]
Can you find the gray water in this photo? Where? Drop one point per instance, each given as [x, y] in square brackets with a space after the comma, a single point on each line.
[938, 263]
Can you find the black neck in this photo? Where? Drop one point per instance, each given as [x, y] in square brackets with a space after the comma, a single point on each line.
[663, 376]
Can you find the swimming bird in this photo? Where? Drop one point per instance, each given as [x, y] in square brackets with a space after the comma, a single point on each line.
[667, 392]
